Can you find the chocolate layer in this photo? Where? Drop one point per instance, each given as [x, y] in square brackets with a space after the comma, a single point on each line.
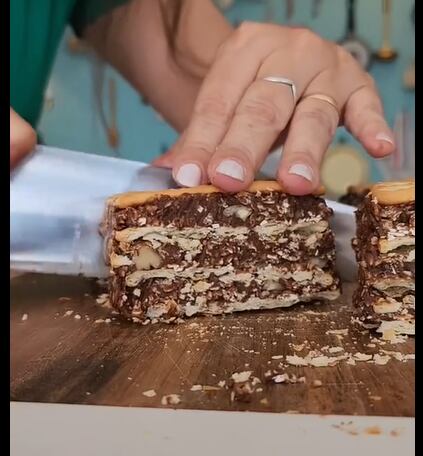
[374, 307]
[215, 251]
[384, 221]
[235, 210]
[174, 295]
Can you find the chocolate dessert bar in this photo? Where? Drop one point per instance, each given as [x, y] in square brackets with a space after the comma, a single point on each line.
[384, 247]
[182, 252]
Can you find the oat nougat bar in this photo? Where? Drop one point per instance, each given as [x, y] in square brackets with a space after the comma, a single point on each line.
[182, 252]
[384, 247]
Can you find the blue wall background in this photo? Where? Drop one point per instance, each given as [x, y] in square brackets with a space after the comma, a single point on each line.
[73, 121]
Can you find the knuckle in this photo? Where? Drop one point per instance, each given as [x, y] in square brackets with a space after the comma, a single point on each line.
[213, 108]
[262, 112]
[305, 38]
[243, 34]
[307, 44]
[321, 117]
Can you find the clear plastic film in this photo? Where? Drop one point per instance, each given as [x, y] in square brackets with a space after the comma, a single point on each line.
[57, 201]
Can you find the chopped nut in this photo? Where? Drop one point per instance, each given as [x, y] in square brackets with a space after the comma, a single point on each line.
[116, 261]
[239, 211]
[317, 383]
[147, 258]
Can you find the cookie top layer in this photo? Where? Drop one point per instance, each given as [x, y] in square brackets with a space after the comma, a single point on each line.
[138, 198]
[392, 193]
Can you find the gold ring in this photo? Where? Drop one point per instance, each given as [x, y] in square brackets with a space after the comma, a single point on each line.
[325, 98]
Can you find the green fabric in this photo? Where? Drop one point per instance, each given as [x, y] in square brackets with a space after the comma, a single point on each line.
[36, 28]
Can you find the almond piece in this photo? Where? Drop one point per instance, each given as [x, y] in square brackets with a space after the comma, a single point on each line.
[147, 258]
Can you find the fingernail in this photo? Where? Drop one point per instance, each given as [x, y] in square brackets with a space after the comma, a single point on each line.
[384, 137]
[302, 170]
[231, 168]
[189, 175]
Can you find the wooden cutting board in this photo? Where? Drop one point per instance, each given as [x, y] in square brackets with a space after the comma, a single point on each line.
[56, 357]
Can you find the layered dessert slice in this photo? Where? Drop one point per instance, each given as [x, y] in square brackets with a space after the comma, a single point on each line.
[193, 251]
[384, 247]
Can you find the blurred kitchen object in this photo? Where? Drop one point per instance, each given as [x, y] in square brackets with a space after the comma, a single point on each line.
[386, 53]
[355, 46]
[401, 164]
[112, 130]
[49, 97]
[316, 8]
[343, 166]
[225, 4]
[409, 78]
[289, 9]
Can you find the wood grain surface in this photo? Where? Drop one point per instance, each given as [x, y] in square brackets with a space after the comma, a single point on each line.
[58, 357]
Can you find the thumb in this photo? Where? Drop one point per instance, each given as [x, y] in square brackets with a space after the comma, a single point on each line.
[22, 138]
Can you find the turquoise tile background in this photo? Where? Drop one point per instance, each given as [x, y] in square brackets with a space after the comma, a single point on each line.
[73, 122]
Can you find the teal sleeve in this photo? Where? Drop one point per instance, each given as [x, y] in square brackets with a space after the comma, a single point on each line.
[85, 12]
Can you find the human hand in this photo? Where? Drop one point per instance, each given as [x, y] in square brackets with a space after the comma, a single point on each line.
[238, 116]
[22, 138]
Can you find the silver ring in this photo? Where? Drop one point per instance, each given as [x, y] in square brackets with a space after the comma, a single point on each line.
[284, 81]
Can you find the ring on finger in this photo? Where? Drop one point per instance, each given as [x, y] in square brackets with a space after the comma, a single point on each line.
[284, 81]
[325, 98]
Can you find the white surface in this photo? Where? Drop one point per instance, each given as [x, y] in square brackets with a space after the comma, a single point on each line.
[68, 430]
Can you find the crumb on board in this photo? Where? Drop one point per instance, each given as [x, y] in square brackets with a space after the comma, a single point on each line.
[77, 317]
[24, 317]
[149, 393]
[68, 313]
[171, 399]
[239, 377]
[196, 387]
